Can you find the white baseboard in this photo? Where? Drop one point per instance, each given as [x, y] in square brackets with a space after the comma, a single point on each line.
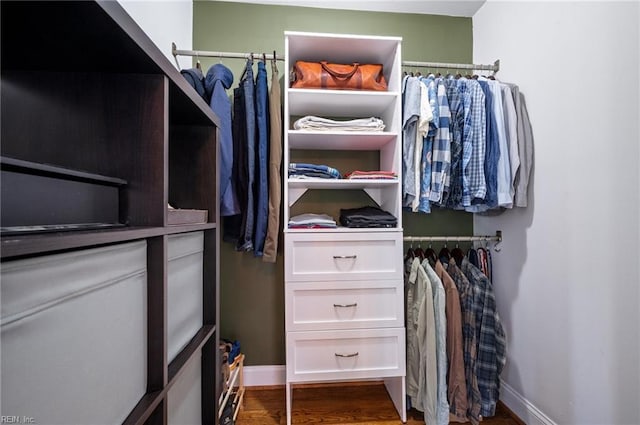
[522, 407]
[262, 376]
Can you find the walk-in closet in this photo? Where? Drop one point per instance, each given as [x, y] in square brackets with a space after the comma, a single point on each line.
[263, 212]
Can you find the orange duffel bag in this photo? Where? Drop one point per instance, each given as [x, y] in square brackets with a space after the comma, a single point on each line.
[323, 75]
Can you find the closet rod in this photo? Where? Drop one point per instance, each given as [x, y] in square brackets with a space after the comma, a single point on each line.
[176, 52]
[497, 237]
[495, 67]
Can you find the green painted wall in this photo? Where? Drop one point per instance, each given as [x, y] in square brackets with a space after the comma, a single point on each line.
[252, 292]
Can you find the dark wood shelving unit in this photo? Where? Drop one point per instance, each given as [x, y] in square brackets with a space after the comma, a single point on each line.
[98, 103]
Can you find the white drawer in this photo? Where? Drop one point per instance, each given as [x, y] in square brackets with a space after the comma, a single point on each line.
[343, 256]
[344, 305]
[346, 354]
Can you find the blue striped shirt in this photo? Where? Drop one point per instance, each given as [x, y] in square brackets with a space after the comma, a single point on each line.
[474, 142]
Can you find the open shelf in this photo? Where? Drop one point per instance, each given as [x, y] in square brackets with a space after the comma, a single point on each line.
[340, 140]
[339, 103]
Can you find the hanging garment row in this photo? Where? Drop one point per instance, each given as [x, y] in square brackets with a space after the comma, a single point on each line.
[467, 144]
[250, 153]
[456, 344]
[479, 257]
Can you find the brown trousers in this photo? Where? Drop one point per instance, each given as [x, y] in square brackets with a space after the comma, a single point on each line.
[275, 159]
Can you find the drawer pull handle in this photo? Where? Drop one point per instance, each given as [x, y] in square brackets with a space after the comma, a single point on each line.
[346, 305]
[344, 256]
[347, 355]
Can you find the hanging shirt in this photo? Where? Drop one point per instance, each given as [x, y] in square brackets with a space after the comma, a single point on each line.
[525, 148]
[511, 132]
[491, 155]
[410, 115]
[525, 145]
[437, 288]
[504, 167]
[441, 157]
[426, 116]
[469, 345]
[474, 142]
[427, 145]
[422, 378]
[456, 383]
[491, 340]
[456, 124]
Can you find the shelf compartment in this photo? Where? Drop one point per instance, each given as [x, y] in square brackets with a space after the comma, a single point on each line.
[340, 103]
[298, 187]
[340, 140]
[44, 197]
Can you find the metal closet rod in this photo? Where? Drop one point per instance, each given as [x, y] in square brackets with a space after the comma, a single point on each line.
[495, 67]
[176, 52]
[497, 237]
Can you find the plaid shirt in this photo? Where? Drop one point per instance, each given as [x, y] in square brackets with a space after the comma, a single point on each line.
[427, 146]
[474, 142]
[441, 153]
[491, 339]
[469, 345]
[453, 197]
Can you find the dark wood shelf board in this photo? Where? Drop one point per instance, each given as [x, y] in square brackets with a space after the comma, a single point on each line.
[28, 167]
[145, 408]
[93, 37]
[188, 353]
[27, 245]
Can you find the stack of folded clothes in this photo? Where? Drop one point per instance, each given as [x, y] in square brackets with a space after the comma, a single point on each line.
[325, 124]
[312, 221]
[301, 171]
[367, 217]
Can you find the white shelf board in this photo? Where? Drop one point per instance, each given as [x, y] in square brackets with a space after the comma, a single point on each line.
[340, 140]
[338, 184]
[345, 48]
[340, 103]
[341, 229]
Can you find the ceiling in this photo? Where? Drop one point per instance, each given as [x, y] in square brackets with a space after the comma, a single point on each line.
[433, 7]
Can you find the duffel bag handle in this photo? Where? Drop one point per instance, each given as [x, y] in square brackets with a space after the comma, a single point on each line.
[336, 74]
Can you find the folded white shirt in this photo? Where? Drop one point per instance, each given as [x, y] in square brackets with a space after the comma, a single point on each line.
[311, 122]
[311, 218]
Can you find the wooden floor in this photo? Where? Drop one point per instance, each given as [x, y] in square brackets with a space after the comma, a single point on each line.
[360, 404]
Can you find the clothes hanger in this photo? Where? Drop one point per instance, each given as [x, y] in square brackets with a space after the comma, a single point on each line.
[444, 252]
[419, 252]
[457, 254]
[198, 62]
[410, 253]
[431, 254]
[249, 63]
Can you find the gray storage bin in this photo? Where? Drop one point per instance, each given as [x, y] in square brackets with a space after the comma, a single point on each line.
[184, 292]
[74, 332]
[185, 396]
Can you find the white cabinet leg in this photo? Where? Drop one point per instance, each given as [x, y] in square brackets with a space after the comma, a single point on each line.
[288, 397]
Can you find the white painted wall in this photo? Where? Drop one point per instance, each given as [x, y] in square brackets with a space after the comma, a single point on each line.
[165, 21]
[567, 277]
